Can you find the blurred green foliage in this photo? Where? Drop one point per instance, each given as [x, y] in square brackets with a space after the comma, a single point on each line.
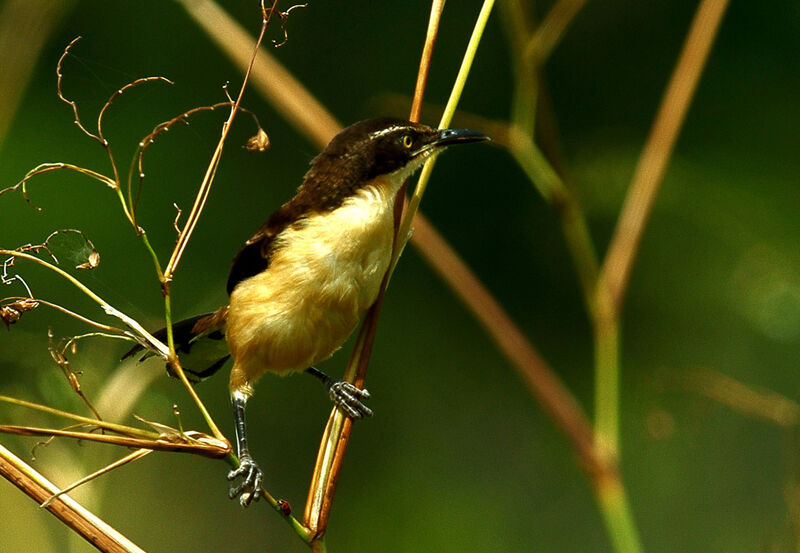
[458, 457]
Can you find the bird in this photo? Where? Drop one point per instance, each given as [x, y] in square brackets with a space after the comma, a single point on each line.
[301, 283]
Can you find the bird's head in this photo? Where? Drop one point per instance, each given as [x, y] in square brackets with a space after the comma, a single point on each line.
[388, 147]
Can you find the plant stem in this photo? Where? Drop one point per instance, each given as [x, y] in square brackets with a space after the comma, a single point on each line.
[606, 386]
[617, 517]
[96, 531]
[120, 428]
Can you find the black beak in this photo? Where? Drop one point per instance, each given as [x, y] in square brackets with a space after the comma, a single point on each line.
[448, 137]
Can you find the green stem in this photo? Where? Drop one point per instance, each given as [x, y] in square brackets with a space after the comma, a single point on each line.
[573, 221]
[173, 360]
[152, 252]
[119, 428]
[618, 518]
[606, 389]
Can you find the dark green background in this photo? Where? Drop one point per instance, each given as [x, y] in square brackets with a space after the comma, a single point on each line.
[458, 457]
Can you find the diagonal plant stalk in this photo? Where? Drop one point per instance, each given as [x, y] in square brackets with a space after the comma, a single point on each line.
[134, 456]
[70, 512]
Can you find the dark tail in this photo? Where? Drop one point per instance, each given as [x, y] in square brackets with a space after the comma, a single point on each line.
[199, 342]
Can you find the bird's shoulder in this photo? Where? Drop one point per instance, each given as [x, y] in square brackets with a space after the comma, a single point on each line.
[326, 185]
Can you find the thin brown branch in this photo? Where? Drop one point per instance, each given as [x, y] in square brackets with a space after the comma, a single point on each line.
[70, 313]
[655, 156]
[116, 94]
[556, 400]
[548, 34]
[70, 512]
[133, 456]
[160, 129]
[48, 167]
[269, 77]
[205, 186]
[200, 444]
[750, 401]
[437, 7]
[72, 377]
[60, 90]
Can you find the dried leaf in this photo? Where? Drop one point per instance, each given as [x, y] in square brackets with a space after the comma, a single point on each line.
[92, 262]
[12, 312]
[259, 142]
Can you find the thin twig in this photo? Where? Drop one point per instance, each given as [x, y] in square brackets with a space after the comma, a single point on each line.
[205, 186]
[48, 167]
[338, 429]
[201, 444]
[650, 169]
[555, 398]
[658, 149]
[70, 512]
[72, 377]
[140, 334]
[138, 454]
[110, 426]
[549, 32]
[437, 7]
[71, 103]
[268, 76]
[77, 316]
[138, 160]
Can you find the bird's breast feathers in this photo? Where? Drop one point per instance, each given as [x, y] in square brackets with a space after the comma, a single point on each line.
[325, 271]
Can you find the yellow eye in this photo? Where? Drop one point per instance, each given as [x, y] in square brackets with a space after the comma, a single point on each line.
[408, 141]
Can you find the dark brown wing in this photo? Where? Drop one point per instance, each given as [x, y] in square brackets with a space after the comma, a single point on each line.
[325, 186]
[254, 257]
[251, 259]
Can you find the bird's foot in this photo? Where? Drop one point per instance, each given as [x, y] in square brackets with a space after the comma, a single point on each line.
[348, 398]
[250, 488]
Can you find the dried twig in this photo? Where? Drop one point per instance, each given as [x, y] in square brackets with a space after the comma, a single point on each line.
[205, 185]
[99, 137]
[199, 444]
[284, 15]
[549, 32]
[138, 160]
[72, 377]
[11, 312]
[134, 456]
[139, 333]
[34, 302]
[48, 167]
[71, 103]
[66, 509]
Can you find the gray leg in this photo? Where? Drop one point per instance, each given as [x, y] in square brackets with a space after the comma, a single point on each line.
[344, 395]
[250, 488]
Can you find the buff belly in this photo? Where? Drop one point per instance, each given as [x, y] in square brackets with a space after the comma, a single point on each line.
[324, 273]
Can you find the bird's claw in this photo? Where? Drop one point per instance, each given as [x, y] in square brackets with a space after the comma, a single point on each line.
[349, 399]
[250, 488]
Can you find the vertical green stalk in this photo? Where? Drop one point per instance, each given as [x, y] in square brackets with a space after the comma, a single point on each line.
[618, 518]
[610, 491]
[606, 385]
